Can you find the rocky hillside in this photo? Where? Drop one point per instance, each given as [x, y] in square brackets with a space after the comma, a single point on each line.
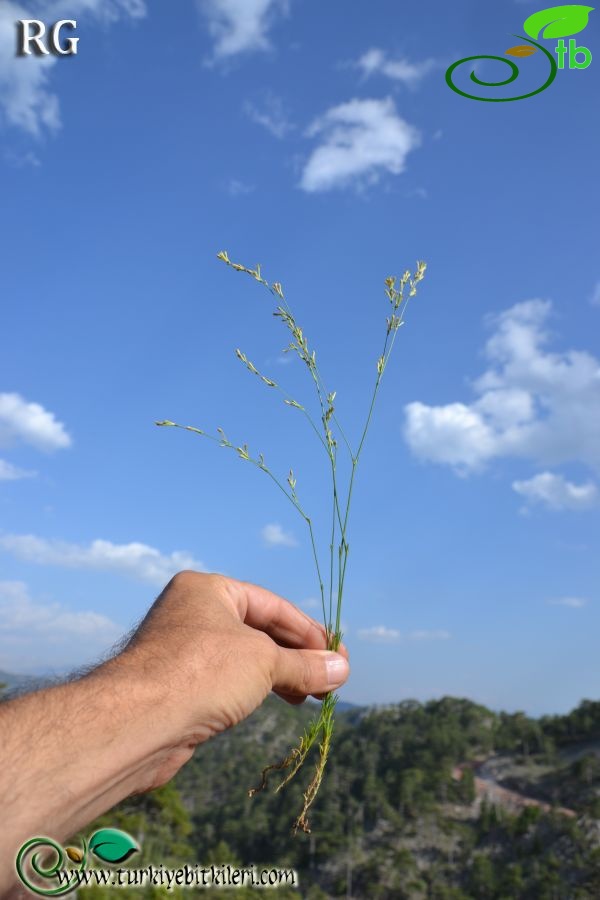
[443, 800]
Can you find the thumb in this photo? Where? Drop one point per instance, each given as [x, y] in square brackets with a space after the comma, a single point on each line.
[308, 671]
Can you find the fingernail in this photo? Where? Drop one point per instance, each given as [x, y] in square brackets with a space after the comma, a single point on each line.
[337, 670]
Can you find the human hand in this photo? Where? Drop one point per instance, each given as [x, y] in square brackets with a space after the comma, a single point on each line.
[206, 655]
[222, 645]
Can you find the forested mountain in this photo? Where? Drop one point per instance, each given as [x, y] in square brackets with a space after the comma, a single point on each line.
[443, 800]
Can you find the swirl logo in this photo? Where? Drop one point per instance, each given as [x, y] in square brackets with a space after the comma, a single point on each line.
[555, 22]
[41, 861]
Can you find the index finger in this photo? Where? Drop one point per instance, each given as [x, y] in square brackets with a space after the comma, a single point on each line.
[280, 619]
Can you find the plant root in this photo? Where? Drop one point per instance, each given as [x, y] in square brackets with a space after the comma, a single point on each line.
[313, 788]
[283, 764]
[295, 759]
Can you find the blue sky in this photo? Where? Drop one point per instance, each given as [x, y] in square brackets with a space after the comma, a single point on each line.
[323, 142]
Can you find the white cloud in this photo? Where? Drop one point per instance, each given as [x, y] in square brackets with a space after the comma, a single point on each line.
[237, 188]
[22, 160]
[455, 434]
[572, 602]
[135, 560]
[310, 603]
[420, 192]
[531, 403]
[106, 11]
[35, 635]
[275, 536]
[8, 472]
[379, 634]
[595, 297]
[240, 26]
[284, 360]
[25, 98]
[271, 114]
[437, 634]
[30, 423]
[376, 62]
[555, 492]
[359, 142]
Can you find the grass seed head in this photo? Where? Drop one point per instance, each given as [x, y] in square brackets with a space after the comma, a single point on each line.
[394, 289]
[293, 403]
[224, 442]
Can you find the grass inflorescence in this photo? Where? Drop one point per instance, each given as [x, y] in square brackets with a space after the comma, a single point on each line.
[328, 430]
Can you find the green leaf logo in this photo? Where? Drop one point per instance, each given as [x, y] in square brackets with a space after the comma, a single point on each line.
[557, 21]
[111, 845]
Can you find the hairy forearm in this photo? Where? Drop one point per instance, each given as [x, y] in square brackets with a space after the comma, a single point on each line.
[205, 657]
[84, 746]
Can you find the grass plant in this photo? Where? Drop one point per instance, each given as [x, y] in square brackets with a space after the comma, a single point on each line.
[331, 436]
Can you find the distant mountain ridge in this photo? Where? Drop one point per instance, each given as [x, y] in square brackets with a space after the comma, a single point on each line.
[443, 800]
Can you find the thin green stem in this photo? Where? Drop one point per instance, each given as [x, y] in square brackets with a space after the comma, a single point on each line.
[322, 726]
[371, 407]
[385, 355]
[334, 417]
[331, 545]
[308, 416]
[314, 548]
[321, 389]
[260, 464]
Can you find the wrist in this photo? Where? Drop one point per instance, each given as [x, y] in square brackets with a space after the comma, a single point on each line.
[89, 744]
